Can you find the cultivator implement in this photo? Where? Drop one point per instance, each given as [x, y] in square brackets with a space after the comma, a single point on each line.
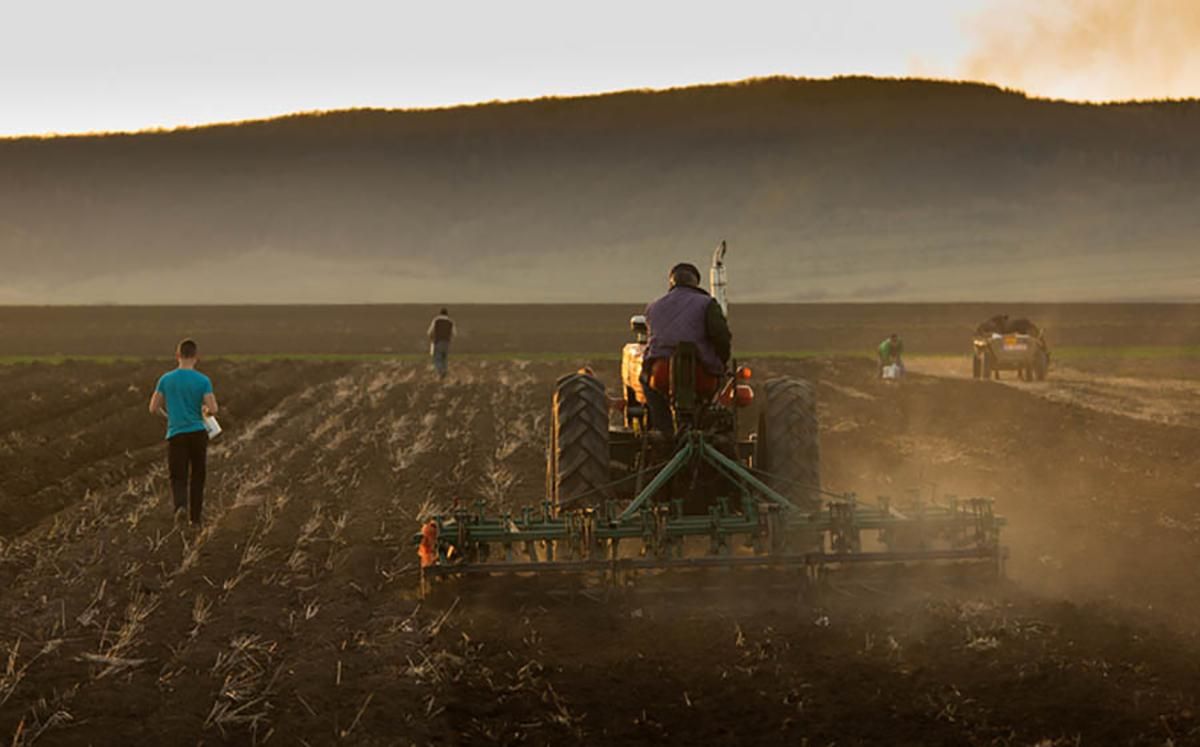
[713, 500]
[750, 526]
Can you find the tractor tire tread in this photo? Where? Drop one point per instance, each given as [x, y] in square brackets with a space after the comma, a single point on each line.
[579, 458]
[789, 434]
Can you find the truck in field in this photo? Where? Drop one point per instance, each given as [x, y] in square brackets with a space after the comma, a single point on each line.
[1002, 344]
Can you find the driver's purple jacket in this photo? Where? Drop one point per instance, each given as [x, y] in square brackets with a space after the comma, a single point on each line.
[682, 316]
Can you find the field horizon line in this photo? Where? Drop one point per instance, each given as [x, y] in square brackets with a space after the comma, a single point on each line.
[1066, 352]
[617, 303]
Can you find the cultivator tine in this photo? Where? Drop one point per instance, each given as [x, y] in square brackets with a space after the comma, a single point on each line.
[844, 531]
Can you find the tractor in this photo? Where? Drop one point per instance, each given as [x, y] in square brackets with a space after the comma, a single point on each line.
[733, 480]
[591, 462]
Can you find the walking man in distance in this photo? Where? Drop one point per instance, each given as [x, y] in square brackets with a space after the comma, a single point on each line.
[184, 396]
[441, 332]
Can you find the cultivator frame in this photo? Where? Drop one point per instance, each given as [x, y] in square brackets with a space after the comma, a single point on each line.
[711, 490]
[754, 527]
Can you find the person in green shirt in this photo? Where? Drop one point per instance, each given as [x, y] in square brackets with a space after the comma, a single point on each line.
[891, 351]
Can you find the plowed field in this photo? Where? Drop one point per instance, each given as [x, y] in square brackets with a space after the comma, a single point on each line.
[291, 618]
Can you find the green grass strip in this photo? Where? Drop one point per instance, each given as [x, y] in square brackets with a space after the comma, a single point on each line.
[1133, 352]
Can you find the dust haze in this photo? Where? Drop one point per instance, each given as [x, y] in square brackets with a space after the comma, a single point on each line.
[1090, 49]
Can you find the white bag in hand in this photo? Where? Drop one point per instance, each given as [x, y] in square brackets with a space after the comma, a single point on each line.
[212, 426]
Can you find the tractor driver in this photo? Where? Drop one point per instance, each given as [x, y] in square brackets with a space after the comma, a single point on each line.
[687, 313]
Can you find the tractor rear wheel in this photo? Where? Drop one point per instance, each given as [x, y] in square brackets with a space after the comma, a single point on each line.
[788, 446]
[578, 461]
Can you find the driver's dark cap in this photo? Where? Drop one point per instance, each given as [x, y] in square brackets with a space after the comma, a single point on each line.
[684, 273]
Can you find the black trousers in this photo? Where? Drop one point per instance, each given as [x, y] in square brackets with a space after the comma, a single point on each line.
[657, 404]
[187, 458]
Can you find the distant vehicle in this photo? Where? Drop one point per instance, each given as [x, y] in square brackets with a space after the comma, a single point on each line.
[1002, 344]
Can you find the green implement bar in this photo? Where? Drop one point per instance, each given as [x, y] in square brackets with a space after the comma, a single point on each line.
[779, 532]
[816, 559]
[866, 518]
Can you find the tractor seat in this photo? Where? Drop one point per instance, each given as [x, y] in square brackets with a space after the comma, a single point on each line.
[660, 379]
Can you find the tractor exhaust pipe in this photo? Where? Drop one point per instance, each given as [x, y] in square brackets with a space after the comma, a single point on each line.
[716, 279]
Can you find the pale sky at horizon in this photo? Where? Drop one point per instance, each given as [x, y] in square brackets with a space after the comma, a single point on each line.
[133, 64]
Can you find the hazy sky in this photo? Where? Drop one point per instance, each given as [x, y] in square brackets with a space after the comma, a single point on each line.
[81, 65]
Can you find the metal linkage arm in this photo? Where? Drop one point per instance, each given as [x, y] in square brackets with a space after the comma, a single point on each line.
[736, 470]
[681, 458]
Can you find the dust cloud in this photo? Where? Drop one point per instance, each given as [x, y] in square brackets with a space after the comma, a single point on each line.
[1089, 49]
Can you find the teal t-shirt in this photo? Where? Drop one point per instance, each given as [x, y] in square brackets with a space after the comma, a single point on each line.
[184, 390]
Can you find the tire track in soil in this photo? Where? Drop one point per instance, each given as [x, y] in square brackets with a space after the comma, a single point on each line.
[386, 650]
[93, 571]
[63, 437]
[1168, 401]
[206, 571]
[306, 564]
[222, 679]
[421, 441]
[347, 623]
[105, 436]
[329, 471]
[493, 688]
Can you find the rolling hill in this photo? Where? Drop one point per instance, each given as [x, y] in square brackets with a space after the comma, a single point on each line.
[850, 189]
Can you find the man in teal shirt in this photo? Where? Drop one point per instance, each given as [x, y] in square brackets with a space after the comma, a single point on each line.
[890, 351]
[184, 396]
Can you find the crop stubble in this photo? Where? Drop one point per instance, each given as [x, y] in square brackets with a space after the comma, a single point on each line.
[291, 617]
